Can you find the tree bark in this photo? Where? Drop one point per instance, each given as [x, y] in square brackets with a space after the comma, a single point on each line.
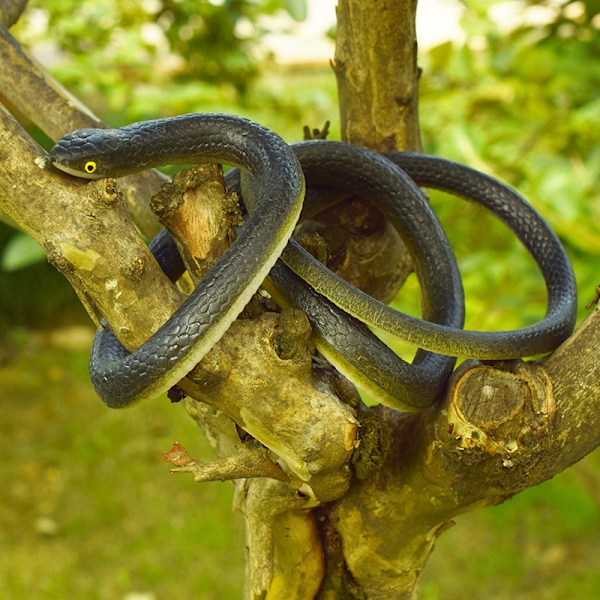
[502, 427]
[92, 239]
[10, 11]
[377, 73]
[315, 529]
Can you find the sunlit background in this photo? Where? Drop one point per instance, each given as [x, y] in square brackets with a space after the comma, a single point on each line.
[87, 510]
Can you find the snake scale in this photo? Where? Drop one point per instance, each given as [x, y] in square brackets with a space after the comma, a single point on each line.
[272, 183]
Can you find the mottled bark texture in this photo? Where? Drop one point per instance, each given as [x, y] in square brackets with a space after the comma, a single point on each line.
[376, 69]
[339, 501]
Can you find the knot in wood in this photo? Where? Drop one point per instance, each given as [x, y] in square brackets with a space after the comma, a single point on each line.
[497, 405]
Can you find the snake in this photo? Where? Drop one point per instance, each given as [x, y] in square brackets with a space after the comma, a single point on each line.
[273, 172]
[202, 319]
[343, 339]
[505, 203]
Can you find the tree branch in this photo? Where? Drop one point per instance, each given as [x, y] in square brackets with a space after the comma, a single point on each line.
[92, 240]
[26, 84]
[377, 73]
[378, 100]
[502, 427]
[10, 11]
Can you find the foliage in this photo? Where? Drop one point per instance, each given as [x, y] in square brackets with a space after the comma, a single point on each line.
[521, 100]
[20, 251]
[112, 45]
[522, 104]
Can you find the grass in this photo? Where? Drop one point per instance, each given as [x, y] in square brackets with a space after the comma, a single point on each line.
[87, 507]
[544, 544]
[89, 510]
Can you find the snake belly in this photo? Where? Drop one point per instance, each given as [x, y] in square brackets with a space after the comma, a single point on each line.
[121, 378]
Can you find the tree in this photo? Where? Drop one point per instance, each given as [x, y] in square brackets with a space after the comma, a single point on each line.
[500, 428]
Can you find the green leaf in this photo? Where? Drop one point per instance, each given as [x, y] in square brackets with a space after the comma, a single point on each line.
[298, 9]
[20, 252]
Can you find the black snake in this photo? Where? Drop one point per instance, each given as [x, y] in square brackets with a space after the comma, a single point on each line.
[272, 186]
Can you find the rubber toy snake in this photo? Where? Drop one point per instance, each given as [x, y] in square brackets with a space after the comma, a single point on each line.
[272, 186]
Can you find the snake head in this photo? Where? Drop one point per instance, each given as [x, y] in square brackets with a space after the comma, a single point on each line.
[91, 153]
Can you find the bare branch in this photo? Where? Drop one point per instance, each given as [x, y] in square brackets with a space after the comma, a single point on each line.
[503, 426]
[377, 74]
[10, 11]
[375, 67]
[501, 429]
[283, 556]
[574, 371]
[40, 98]
[90, 237]
[248, 463]
[27, 85]
[248, 363]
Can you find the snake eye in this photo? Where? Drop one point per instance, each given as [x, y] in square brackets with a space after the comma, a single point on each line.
[90, 166]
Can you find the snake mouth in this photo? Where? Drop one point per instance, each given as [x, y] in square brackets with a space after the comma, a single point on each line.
[43, 161]
[72, 170]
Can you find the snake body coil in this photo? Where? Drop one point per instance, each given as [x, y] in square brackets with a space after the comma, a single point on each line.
[345, 341]
[273, 176]
[510, 207]
[207, 313]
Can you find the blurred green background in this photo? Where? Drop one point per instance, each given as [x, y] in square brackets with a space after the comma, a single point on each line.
[87, 509]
